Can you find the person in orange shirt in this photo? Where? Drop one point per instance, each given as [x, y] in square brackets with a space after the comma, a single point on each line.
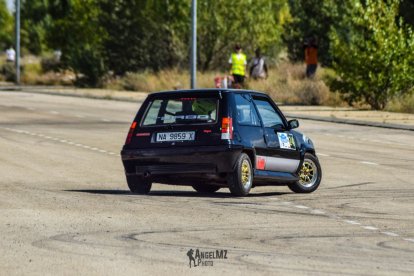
[311, 57]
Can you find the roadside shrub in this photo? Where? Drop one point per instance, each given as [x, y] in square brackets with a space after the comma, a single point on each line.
[89, 65]
[135, 82]
[286, 83]
[374, 60]
[9, 71]
[312, 92]
[403, 104]
[163, 80]
[293, 71]
[50, 64]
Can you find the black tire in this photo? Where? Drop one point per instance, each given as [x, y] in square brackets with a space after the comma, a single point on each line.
[205, 188]
[240, 181]
[308, 182]
[139, 185]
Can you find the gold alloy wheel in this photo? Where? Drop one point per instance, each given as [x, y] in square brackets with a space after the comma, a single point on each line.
[245, 173]
[308, 174]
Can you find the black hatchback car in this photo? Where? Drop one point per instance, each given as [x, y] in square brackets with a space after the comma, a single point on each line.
[215, 138]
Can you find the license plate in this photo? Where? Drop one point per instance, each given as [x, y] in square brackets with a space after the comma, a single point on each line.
[175, 136]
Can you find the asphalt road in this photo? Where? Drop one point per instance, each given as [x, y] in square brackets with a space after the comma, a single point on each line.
[65, 208]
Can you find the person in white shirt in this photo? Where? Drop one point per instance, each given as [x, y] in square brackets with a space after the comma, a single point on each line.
[258, 67]
[11, 54]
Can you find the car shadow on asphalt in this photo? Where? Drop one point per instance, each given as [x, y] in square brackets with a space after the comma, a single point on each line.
[101, 192]
[174, 193]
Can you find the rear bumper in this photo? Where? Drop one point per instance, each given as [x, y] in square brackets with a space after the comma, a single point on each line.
[179, 161]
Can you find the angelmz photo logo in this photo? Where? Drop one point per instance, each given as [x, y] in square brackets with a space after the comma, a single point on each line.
[205, 258]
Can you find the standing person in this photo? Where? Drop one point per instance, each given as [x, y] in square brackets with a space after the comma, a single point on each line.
[311, 57]
[10, 54]
[258, 67]
[238, 66]
[190, 256]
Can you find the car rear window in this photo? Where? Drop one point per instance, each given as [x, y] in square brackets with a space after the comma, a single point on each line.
[185, 110]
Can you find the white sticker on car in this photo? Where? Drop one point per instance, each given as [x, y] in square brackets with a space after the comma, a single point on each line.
[286, 141]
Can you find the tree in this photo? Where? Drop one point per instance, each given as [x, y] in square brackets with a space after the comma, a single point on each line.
[407, 11]
[143, 34]
[35, 21]
[312, 18]
[374, 61]
[128, 36]
[223, 23]
[79, 36]
[6, 26]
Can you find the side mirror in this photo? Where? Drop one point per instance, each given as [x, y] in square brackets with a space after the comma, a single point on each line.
[293, 124]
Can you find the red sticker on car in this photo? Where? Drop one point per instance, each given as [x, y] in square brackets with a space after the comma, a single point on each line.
[260, 163]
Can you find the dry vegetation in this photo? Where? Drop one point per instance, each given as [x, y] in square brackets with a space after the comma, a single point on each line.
[404, 104]
[286, 84]
[32, 73]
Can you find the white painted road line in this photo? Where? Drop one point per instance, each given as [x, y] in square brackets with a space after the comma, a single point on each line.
[370, 140]
[390, 234]
[352, 222]
[54, 112]
[318, 212]
[313, 211]
[105, 120]
[369, 163]
[323, 154]
[301, 207]
[80, 116]
[370, 228]
[61, 140]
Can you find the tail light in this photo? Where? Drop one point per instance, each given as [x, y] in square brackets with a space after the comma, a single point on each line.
[227, 128]
[130, 133]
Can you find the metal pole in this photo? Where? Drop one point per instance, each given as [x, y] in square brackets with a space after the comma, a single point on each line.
[17, 23]
[193, 62]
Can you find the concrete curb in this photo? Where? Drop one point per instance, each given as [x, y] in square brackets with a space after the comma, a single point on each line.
[350, 122]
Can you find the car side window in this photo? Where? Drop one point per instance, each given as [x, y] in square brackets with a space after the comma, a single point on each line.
[270, 116]
[246, 113]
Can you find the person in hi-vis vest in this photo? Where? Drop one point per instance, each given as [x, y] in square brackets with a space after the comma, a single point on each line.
[238, 62]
